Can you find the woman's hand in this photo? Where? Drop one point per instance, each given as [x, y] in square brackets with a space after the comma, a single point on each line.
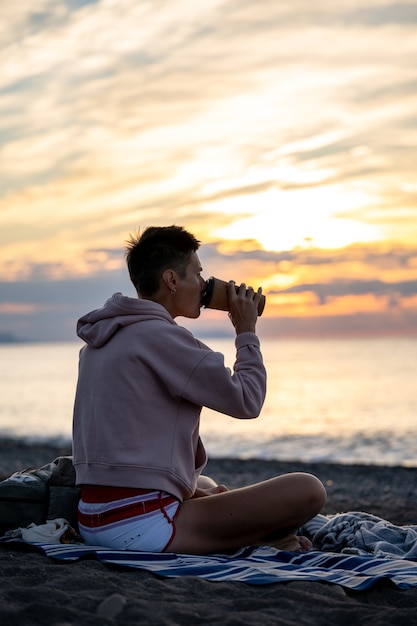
[206, 486]
[210, 491]
[243, 305]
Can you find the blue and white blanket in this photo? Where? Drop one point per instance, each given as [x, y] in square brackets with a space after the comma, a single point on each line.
[361, 533]
[371, 549]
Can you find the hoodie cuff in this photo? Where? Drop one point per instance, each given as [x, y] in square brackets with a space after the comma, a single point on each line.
[247, 339]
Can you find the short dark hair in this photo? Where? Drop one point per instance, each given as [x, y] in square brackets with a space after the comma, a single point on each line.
[158, 248]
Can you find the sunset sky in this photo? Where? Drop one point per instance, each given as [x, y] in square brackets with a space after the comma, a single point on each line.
[282, 134]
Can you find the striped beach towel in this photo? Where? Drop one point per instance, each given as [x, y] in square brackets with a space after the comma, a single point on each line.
[254, 566]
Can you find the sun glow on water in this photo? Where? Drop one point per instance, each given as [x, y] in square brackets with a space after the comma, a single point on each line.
[339, 400]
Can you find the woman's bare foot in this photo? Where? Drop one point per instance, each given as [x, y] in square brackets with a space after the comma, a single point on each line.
[305, 543]
[291, 543]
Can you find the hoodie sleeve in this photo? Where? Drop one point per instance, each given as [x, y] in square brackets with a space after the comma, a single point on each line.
[199, 375]
[240, 394]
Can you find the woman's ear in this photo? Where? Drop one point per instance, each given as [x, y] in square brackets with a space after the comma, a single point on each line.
[170, 280]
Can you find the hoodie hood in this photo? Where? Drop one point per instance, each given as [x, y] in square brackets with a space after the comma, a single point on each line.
[98, 326]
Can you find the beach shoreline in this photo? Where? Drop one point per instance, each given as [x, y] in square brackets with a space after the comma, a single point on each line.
[36, 590]
[386, 491]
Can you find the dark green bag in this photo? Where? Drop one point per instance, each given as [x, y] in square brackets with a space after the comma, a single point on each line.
[35, 495]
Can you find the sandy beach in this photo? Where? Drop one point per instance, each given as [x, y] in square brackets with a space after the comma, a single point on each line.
[38, 590]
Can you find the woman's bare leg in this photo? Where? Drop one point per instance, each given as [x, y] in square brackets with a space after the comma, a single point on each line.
[267, 513]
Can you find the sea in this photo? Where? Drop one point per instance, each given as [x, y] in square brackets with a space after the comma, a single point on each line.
[349, 401]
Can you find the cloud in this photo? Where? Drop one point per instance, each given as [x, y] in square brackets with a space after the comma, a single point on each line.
[125, 69]
[373, 257]
[16, 308]
[47, 310]
[360, 324]
[383, 14]
[340, 288]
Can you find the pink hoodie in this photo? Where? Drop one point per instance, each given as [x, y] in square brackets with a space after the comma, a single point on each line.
[142, 382]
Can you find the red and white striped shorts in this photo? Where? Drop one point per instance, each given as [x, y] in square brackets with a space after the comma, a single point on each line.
[127, 519]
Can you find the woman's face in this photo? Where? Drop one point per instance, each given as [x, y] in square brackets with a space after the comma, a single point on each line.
[189, 289]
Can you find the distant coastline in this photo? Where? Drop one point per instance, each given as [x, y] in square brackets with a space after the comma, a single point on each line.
[9, 338]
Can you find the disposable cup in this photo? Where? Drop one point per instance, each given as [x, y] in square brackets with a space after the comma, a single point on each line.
[216, 296]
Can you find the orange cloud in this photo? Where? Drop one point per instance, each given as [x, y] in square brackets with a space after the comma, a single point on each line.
[19, 308]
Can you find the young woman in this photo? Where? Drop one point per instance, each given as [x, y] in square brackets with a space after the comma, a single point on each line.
[143, 380]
